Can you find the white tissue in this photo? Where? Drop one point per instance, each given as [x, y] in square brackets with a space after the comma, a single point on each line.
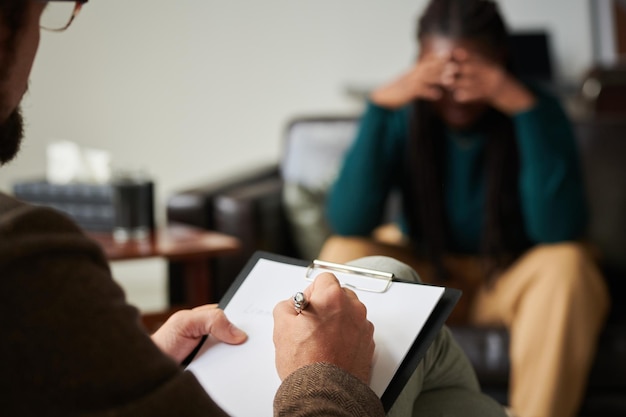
[69, 163]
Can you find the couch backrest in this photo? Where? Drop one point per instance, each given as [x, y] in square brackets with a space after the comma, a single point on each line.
[315, 147]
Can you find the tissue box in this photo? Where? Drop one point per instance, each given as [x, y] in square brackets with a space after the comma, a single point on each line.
[89, 205]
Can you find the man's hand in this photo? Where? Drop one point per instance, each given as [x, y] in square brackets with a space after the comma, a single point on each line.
[333, 328]
[182, 332]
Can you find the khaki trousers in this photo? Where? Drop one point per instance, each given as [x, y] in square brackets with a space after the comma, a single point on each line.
[553, 300]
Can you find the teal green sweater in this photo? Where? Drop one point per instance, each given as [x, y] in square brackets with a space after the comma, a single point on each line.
[550, 180]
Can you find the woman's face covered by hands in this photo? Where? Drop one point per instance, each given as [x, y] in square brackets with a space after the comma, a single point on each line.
[469, 77]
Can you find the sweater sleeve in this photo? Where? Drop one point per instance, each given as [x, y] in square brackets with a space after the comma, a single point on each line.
[551, 186]
[71, 344]
[325, 390]
[357, 199]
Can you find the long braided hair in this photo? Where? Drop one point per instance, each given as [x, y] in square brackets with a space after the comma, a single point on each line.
[503, 235]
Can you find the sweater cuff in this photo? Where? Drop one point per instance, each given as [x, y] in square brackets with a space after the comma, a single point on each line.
[325, 389]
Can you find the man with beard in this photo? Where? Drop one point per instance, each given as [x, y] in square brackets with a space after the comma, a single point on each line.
[73, 346]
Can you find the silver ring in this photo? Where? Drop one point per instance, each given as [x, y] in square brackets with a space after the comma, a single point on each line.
[299, 302]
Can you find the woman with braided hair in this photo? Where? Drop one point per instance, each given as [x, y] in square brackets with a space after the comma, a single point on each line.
[493, 201]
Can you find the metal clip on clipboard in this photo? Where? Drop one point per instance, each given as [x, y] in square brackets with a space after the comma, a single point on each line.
[366, 279]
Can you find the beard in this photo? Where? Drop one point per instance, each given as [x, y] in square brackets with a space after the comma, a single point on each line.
[11, 134]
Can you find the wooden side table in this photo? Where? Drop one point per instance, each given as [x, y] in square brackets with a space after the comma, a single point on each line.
[189, 246]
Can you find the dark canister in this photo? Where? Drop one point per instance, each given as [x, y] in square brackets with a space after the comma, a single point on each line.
[133, 202]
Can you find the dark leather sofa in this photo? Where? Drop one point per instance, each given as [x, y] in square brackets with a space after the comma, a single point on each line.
[251, 207]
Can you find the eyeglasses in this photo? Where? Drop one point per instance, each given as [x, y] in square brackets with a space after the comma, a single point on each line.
[58, 15]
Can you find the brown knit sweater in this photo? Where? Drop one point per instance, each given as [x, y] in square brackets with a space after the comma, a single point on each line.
[72, 346]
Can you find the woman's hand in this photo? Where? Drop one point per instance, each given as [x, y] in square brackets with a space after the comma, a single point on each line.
[468, 77]
[333, 328]
[479, 79]
[182, 332]
[424, 80]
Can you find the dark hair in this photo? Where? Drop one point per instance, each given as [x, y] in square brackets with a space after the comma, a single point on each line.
[12, 17]
[479, 20]
[503, 235]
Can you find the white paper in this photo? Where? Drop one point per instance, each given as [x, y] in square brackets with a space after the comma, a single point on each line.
[227, 371]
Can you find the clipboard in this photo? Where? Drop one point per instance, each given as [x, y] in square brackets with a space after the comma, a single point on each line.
[408, 364]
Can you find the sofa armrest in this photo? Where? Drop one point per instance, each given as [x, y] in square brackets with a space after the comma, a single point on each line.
[194, 206]
[255, 215]
[248, 207]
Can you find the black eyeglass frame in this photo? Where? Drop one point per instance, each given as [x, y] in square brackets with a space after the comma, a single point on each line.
[78, 5]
